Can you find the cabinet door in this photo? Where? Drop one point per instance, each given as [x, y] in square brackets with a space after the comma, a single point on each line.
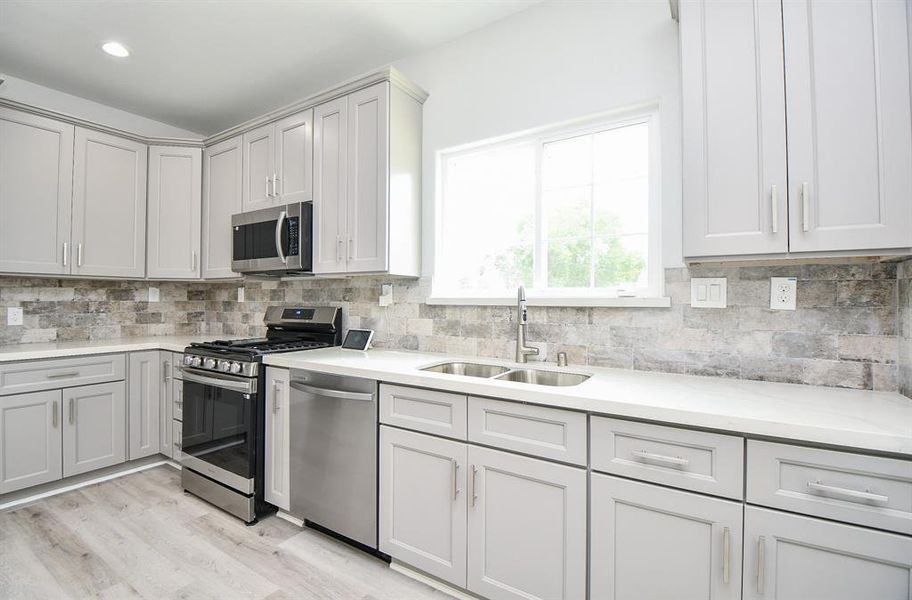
[94, 427]
[423, 502]
[330, 185]
[144, 410]
[735, 195]
[259, 168]
[109, 205]
[368, 170]
[849, 124]
[166, 410]
[177, 433]
[639, 530]
[278, 449]
[222, 191]
[36, 193]
[788, 557]
[175, 206]
[294, 157]
[527, 527]
[30, 440]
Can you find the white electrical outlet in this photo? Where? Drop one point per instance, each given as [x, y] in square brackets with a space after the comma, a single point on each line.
[386, 294]
[783, 293]
[240, 294]
[14, 315]
[154, 294]
[709, 292]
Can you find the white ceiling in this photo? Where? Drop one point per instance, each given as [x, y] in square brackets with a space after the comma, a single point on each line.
[205, 65]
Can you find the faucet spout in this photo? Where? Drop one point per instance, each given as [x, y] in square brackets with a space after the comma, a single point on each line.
[522, 317]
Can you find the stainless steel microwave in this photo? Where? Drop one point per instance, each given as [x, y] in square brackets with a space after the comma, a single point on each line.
[273, 241]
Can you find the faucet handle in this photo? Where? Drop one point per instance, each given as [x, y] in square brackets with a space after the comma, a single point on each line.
[561, 359]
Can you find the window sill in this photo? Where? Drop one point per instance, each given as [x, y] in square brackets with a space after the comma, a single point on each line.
[658, 302]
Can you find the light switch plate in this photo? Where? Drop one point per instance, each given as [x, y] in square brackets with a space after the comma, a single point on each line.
[386, 294]
[783, 293]
[240, 294]
[709, 292]
[14, 315]
[154, 294]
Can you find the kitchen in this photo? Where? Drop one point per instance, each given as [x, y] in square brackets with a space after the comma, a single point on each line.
[428, 300]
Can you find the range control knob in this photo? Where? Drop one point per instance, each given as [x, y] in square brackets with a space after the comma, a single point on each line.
[235, 367]
[195, 361]
[209, 363]
[224, 365]
[188, 360]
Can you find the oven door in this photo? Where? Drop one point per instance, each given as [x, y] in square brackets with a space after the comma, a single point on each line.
[219, 428]
[273, 239]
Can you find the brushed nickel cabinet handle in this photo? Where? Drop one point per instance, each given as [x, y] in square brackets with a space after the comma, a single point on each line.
[726, 555]
[66, 251]
[62, 375]
[474, 491]
[166, 371]
[774, 209]
[275, 185]
[268, 195]
[79, 254]
[805, 208]
[455, 479]
[852, 495]
[54, 415]
[675, 461]
[72, 411]
[761, 563]
[275, 396]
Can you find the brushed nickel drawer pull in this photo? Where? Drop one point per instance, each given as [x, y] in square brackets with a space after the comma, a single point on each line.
[848, 493]
[62, 375]
[761, 563]
[72, 411]
[726, 555]
[675, 461]
[55, 416]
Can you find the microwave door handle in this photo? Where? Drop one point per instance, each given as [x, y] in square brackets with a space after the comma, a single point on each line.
[278, 237]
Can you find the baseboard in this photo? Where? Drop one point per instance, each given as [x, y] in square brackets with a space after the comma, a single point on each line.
[293, 520]
[432, 582]
[28, 495]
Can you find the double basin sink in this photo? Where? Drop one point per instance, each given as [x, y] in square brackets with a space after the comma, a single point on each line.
[521, 375]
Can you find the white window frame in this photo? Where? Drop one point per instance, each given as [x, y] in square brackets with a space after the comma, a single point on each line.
[650, 296]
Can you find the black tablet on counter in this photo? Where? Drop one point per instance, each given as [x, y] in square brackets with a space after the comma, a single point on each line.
[358, 339]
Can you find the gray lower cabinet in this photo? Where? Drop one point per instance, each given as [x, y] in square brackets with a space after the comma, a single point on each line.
[166, 411]
[94, 427]
[526, 527]
[790, 557]
[177, 432]
[278, 439]
[662, 544]
[145, 377]
[423, 506]
[30, 440]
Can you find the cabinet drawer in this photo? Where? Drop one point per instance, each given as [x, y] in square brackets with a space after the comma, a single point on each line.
[440, 413]
[33, 376]
[177, 359]
[854, 488]
[691, 460]
[538, 430]
[177, 395]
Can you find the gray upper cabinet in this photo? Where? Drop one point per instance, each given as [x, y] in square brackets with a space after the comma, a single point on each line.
[734, 128]
[109, 205]
[259, 168]
[175, 205]
[36, 191]
[30, 451]
[94, 427]
[144, 404]
[278, 162]
[849, 124]
[797, 127]
[362, 143]
[222, 183]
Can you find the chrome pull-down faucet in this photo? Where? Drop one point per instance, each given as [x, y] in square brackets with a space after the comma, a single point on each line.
[522, 317]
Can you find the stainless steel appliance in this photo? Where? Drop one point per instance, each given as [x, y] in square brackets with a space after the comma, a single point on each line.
[224, 406]
[273, 241]
[334, 454]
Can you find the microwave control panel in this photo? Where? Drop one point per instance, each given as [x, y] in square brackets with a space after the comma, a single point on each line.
[293, 237]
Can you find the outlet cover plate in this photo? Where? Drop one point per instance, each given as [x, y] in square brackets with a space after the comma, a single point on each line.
[709, 292]
[783, 293]
[241, 294]
[14, 315]
[154, 294]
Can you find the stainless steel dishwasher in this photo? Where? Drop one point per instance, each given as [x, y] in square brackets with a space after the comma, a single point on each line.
[334, 453]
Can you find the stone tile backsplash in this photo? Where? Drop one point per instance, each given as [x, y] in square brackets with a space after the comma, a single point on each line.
[852, 328]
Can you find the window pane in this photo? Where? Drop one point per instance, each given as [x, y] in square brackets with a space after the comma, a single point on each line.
[622, 207]
[569, 263]
[567, 212]
[567, 163]
[621, 261]
[488, 223]
[621, 153]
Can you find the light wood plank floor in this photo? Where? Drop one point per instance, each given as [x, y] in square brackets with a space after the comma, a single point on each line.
[140, 536]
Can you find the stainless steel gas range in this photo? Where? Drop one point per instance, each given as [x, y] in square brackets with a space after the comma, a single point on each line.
[224, 406]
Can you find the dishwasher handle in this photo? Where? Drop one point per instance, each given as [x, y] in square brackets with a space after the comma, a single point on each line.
[318, 391]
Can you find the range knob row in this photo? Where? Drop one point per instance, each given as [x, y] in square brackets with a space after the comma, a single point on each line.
[225, 366]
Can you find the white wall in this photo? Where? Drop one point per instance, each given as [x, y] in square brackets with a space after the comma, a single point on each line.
[554, 62]
[27, 92]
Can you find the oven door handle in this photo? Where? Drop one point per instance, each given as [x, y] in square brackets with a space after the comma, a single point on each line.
[278, 237]
[246, 387]
[317, 391]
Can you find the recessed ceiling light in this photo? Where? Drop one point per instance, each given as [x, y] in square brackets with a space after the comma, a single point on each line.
[115, 49]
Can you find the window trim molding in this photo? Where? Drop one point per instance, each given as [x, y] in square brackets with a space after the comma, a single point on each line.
[651, 296]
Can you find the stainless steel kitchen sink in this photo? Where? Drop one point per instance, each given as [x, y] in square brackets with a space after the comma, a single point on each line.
[468, 369]
[530, 376]
[542, 377]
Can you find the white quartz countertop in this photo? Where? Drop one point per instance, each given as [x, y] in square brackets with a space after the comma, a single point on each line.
[14, 352]
[865, 420]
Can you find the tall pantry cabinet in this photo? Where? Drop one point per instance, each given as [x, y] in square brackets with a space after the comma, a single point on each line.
[797, 127]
